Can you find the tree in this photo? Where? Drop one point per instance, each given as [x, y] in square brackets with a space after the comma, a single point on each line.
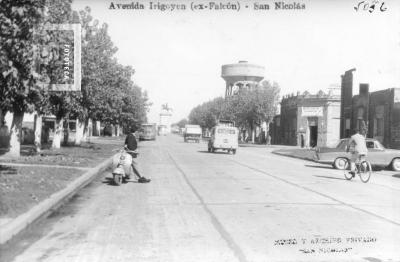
[248, 108]
[182, 123]
[135, 108]
[19, 92]
[61, 104]
[207, 114]
[108, 92]
[253, 107]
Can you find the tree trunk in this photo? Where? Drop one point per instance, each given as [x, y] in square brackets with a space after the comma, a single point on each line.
[253, 133]
[85, 129]
[66, 133]
[117, 129]
[4, 132]
[2, 117]
[113, 130]
[15, 135]
[88, 130]
[38, 132]
[57, 134]
[80, 126]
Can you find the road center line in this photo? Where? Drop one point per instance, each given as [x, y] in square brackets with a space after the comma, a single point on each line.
[237, 251]
[319, 193]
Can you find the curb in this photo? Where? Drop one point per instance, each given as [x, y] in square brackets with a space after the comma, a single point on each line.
[297, 157]
[54, 201]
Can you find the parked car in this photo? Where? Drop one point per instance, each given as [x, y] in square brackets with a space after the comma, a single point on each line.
[378, 155]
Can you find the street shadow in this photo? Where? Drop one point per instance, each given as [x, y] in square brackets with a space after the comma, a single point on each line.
[329, 177]
[7, 170]
[110, 181]
[217, 152]
[396, 175]
[25, 150]
[315, 166]
[203, 151]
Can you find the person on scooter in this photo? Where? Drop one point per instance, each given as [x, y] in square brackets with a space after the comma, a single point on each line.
[131, 145]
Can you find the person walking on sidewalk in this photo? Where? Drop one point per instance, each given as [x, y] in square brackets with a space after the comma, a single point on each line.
[131, 145]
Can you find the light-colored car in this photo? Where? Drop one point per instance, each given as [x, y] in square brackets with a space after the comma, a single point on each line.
[224, 138]
[378, 155]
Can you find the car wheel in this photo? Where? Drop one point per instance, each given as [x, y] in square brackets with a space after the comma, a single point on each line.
[395, 165]
[340, 163]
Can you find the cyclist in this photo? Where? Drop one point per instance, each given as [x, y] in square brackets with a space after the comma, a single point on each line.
[131, 145]
[357, 147]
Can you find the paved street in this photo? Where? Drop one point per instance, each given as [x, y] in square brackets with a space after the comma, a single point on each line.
[252, 206]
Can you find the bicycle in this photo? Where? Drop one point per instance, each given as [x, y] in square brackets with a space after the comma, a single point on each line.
[363, 169]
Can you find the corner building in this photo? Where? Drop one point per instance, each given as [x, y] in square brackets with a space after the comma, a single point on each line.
[308, 120]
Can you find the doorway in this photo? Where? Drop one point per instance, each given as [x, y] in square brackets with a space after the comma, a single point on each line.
[313, 136]
[313, 131]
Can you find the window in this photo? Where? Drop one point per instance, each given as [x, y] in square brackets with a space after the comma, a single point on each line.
[342, 144]
[226, 131]
[379, 120]
[347, 123]
[370, 144]
[379, 145]
[278, 122]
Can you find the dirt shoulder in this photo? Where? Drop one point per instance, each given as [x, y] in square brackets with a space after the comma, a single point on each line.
[30, 179]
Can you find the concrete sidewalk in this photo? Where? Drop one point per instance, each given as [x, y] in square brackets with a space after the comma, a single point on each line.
[14, 226]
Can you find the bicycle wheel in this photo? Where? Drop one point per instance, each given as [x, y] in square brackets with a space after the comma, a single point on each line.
[365, 171]
[346, 171]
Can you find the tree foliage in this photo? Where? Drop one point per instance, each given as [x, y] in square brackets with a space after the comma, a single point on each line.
[18, 21]
[181, 123]
[29, 55]
[248, 108]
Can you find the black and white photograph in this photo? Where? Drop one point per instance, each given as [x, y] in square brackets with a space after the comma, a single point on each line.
[199, 131]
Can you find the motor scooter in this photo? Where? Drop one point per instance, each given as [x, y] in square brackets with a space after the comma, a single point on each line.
[122, 166]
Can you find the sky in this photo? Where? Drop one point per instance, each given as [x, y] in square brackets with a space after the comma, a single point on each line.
[177, 55]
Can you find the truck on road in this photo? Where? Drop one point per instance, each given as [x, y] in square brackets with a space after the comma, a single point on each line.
[192, 132]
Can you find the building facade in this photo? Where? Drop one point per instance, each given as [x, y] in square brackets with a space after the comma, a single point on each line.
[308, 120]
[380, 110]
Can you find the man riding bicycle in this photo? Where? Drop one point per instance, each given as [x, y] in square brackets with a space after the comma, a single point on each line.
[357, 147]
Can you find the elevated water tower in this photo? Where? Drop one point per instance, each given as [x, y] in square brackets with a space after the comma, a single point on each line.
[241, 75]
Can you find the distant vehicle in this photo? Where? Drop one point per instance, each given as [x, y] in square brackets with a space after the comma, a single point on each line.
[148, 131]
[378, 155]
[162, 130]
[223, 137]
[175, 129]
[192, 132]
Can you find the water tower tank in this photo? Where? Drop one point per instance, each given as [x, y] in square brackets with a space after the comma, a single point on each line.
[241, 74]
